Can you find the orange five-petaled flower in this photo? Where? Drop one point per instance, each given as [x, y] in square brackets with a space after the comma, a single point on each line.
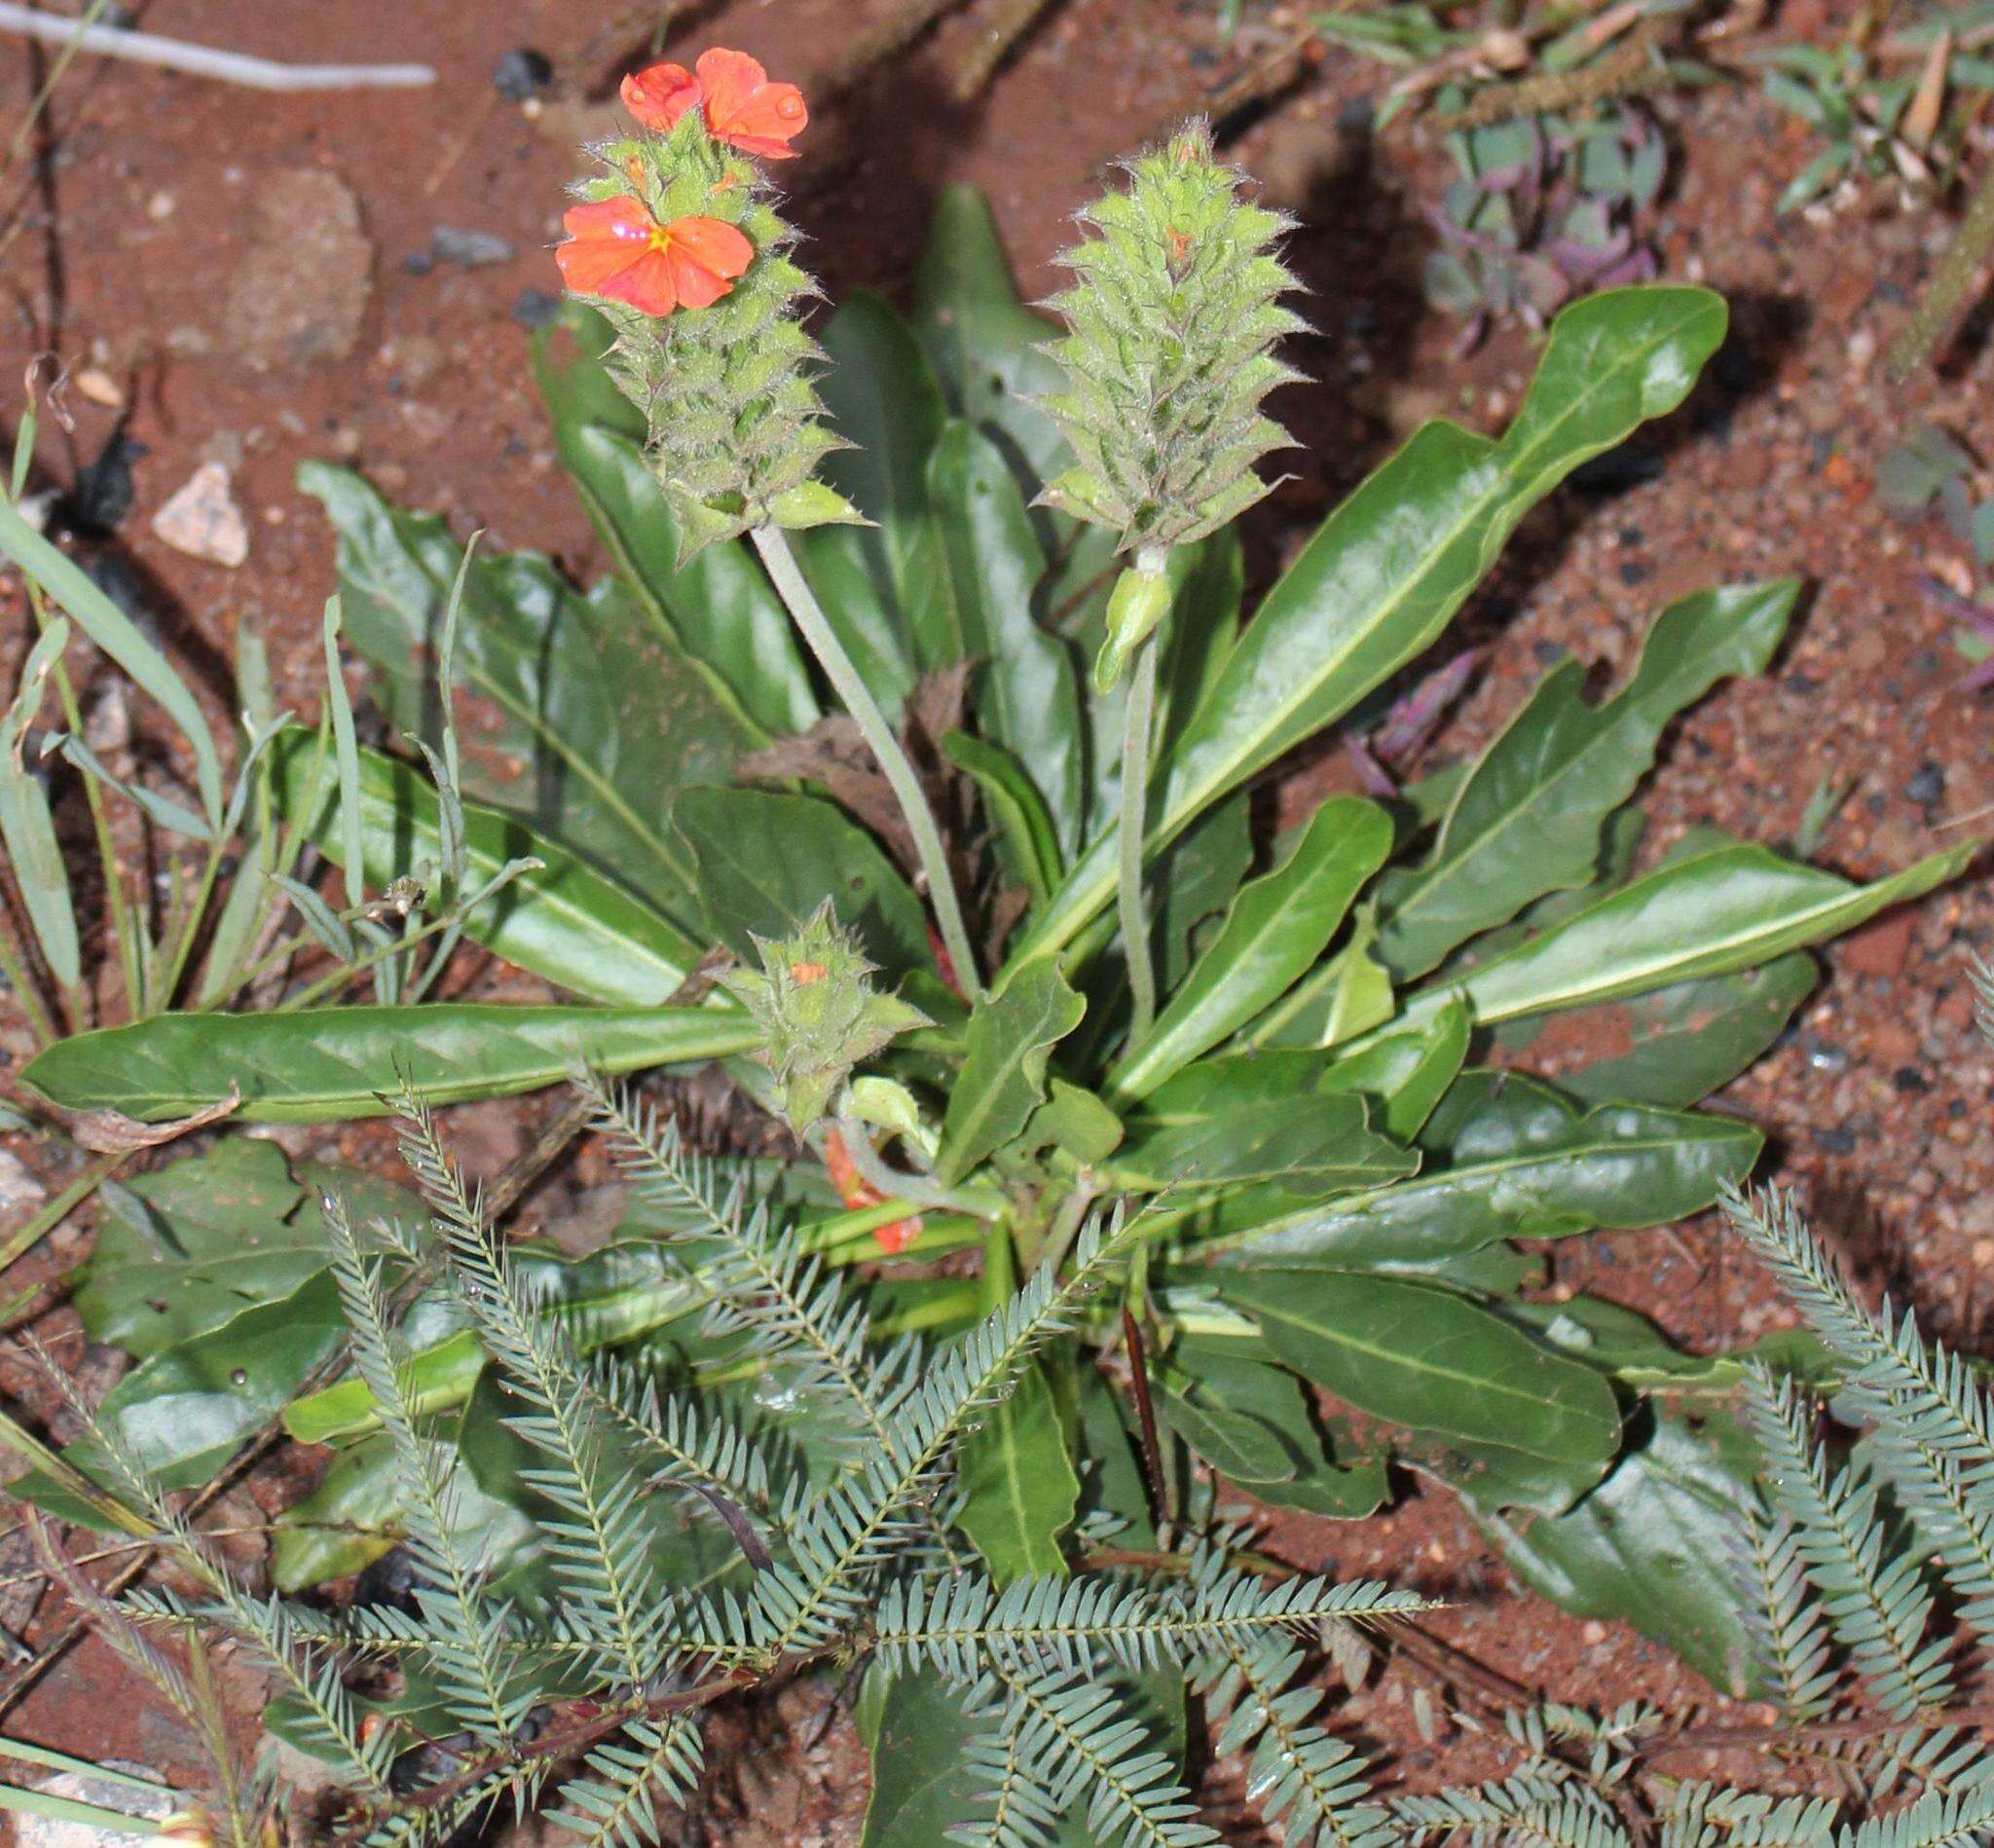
[617, 249]
[743, 108]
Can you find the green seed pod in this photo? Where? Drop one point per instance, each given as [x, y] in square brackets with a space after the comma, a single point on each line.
[1140, 600]
[819, 1013]
[735, 426]
[1167, 356]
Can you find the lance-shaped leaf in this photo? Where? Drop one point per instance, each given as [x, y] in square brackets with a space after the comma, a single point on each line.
[720, 607]
[1308, 1145]
[885, 586]
[768, 859]
[1277, 928]
[1510, 1158]
[1027, 689]
[1527, 820]
[1688, 1041]
[27, 828]
[1407, 1071]
[1658, 1544]
[1428, 1359]
[329, 1064]
[566, 921]
[1022, 832]
[1007, 1042]
[1731, 905]
[66, 584]
[1016, 1481]
[182, 1251]
[602, 721]
[1391, 566]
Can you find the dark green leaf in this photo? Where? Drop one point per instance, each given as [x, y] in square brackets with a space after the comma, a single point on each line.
[1654, 1545]
[1690, 1040]
[1027, 689]
[566, 922]
[1003, 1080]
[1527, 821]
[1510, 1158]
[1391, 566]
[1428, 1359]
[1021, 831]
[885, 587]
[1310, 1145]
[601, 720]
[328, 1064]
[1018, 1485]
[768, 859]
[1277, 928]
[181, 1251]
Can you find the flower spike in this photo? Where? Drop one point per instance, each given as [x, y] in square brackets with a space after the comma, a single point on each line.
[678, 244]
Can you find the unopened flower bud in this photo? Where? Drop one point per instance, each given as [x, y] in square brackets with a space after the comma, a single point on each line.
[819, 1013]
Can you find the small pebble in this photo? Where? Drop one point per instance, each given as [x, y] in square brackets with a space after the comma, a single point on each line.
[468, 249]
[203, 520]
[521, 73]
[535, 308]
[100, 387]
[1927, 785]
[1835, 1141]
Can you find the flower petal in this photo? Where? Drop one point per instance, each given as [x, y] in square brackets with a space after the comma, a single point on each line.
[607, 237]
[659, 94]
[650, 284]
[743, 109]
[712, 243]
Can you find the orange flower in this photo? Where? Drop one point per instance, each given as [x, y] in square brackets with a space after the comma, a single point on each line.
[743, 108]
[617, 249]
[857, 1192]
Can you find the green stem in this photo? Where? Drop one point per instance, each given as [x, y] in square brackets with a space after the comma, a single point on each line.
[1138, 719]
[774, 546]
[41, 1023]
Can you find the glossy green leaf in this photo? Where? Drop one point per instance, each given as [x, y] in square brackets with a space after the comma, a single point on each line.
[601, 720]
[1527, 820]
[1194, 880]
[918, 1730]
[1016, 1481]
[1390, 567]
[1340, 1001]
[1730, 906]
[1277, 928]
[1248, 1420]
[985, 344]
[1510, 1158]
[181, 1251]
[566, 922]
[1003, 1079]
[344, 1524]
[721, 609]
[328, 1064]
[1027, 686]
[768, 859]
[1654, 1545]
[1023, 835]
[1690, 1040]
[1309, 1145]
[183, 1410]
[1408, 1071]
[1427, 1358]
[885, 586]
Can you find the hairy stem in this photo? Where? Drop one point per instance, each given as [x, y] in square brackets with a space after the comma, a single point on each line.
[1137, 721]
[774, 546]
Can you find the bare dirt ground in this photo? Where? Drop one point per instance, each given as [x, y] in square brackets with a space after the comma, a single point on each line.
[144, 250]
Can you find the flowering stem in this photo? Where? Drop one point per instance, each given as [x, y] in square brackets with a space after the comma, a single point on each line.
[1138, 717]
[774, 546]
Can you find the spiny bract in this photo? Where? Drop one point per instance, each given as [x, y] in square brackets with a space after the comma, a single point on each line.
[735, 425]
[1168, 354]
